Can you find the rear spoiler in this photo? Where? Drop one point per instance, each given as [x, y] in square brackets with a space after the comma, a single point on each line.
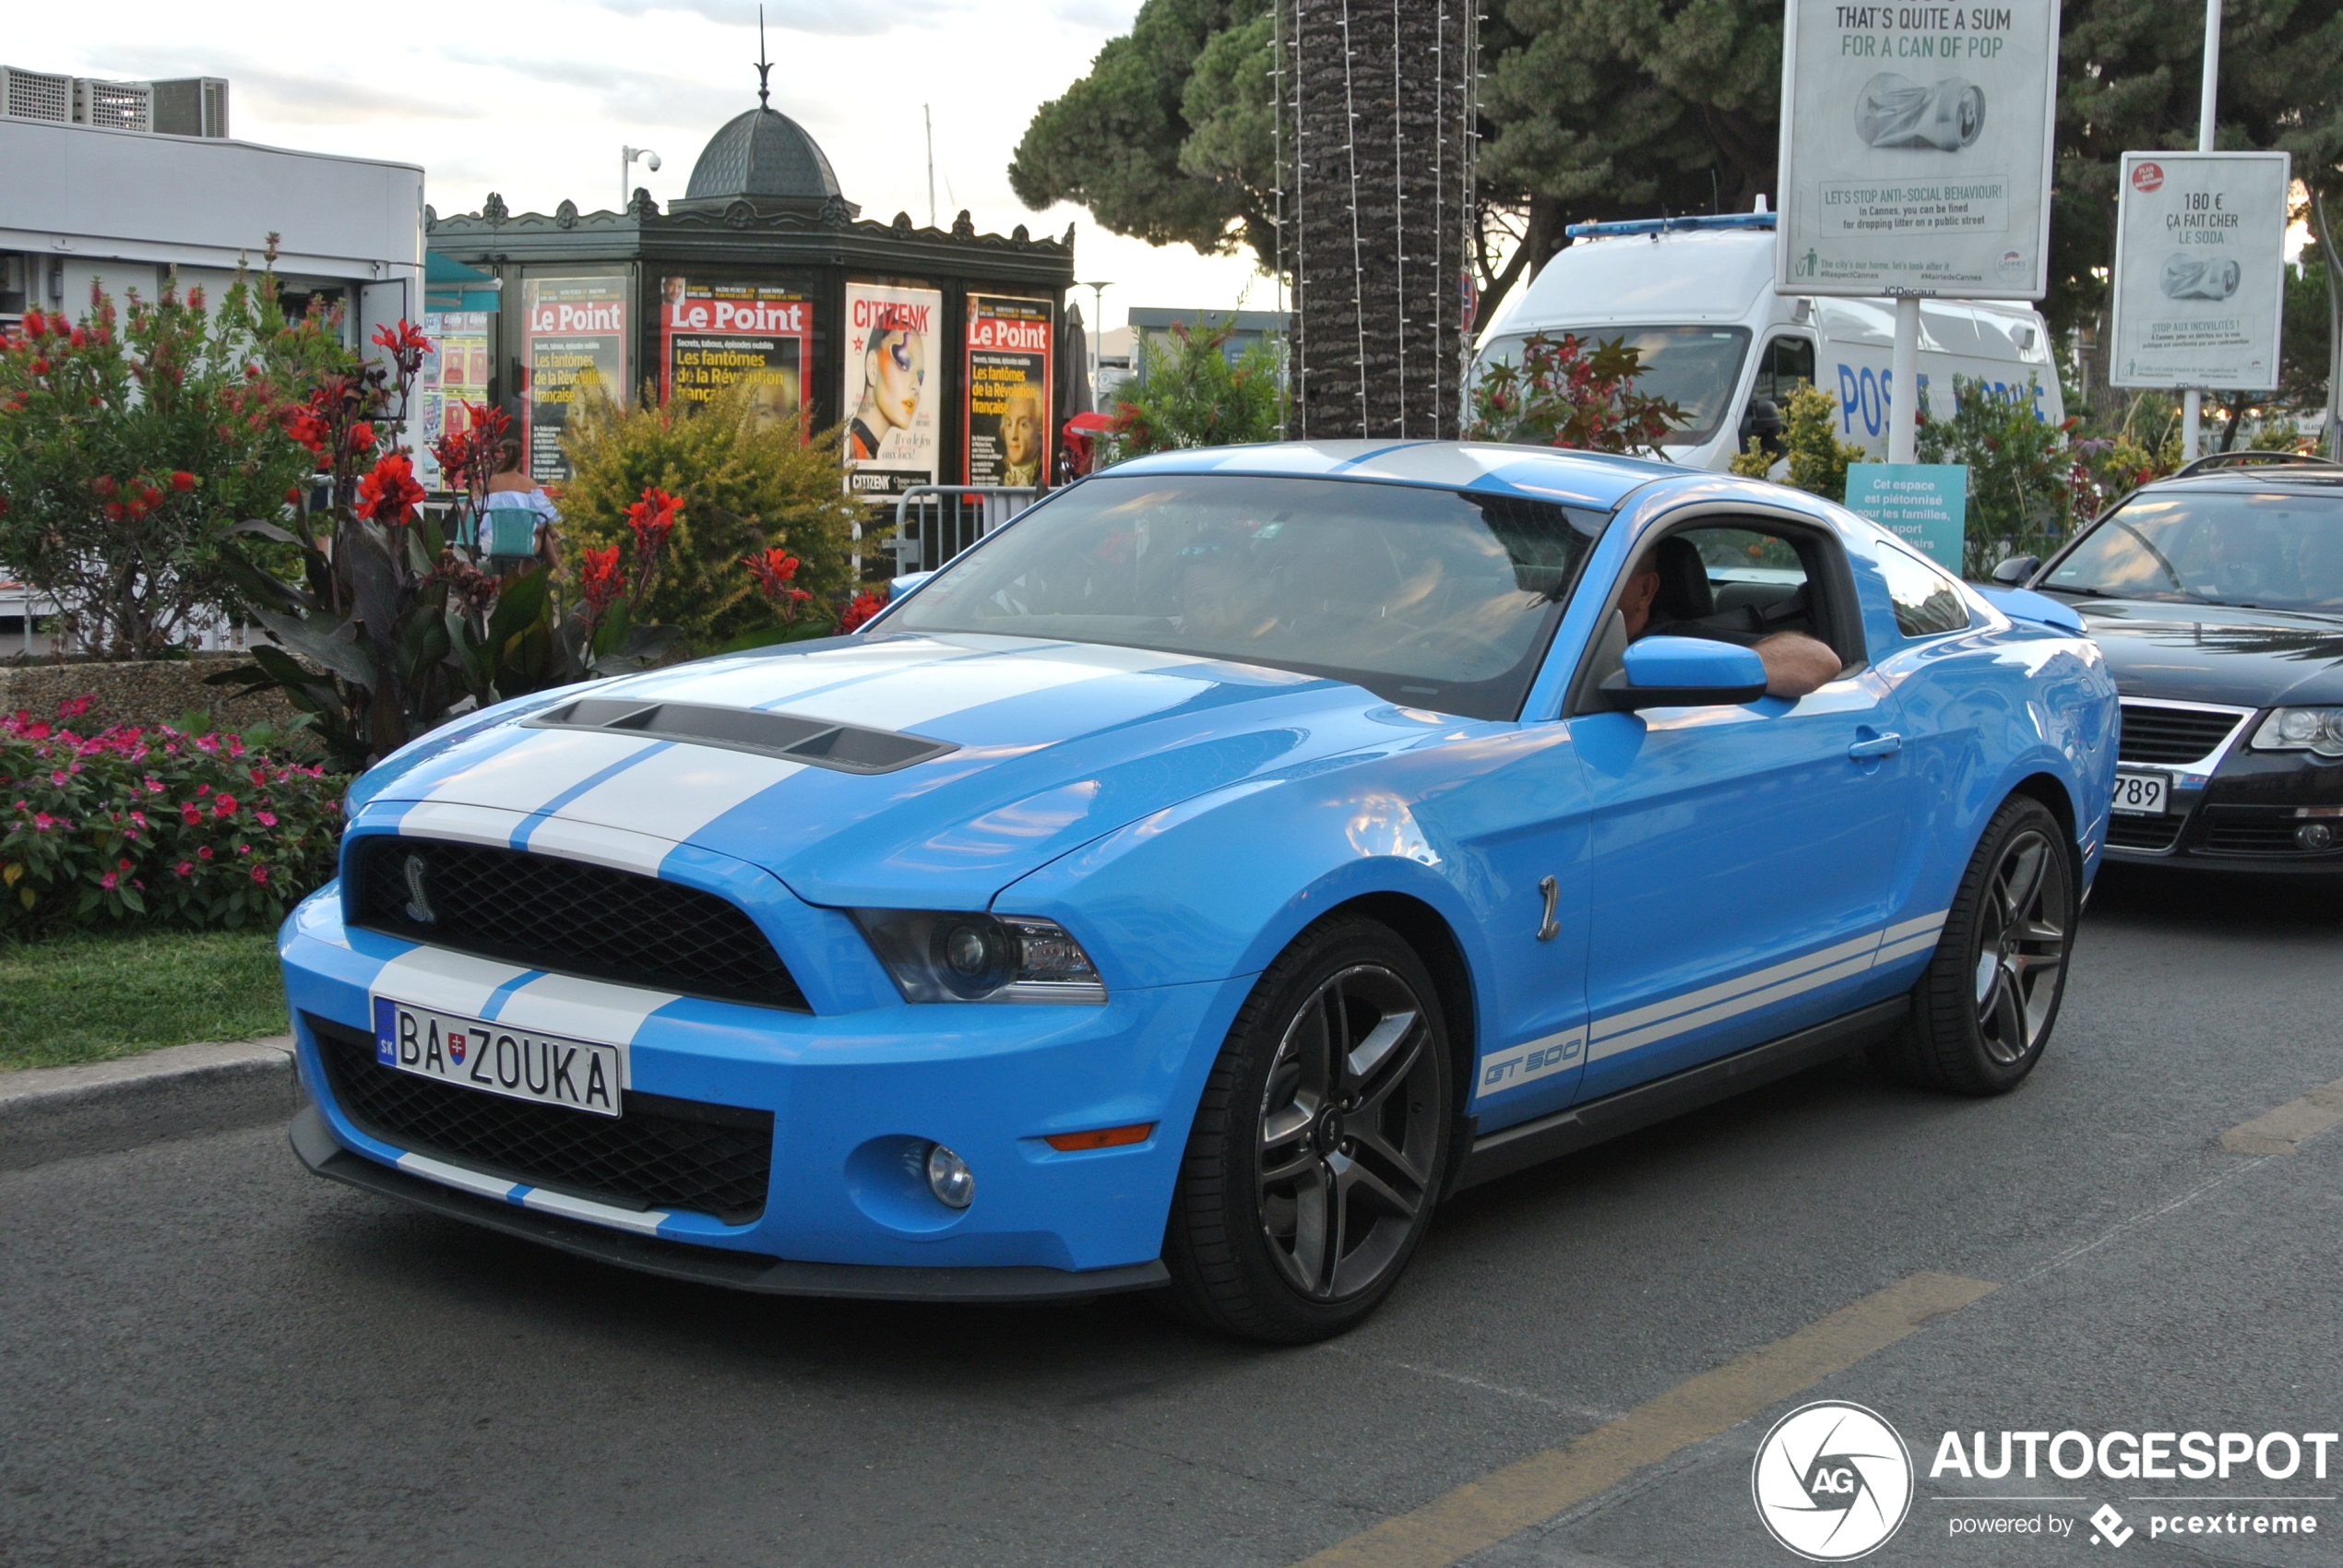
[2025, 605]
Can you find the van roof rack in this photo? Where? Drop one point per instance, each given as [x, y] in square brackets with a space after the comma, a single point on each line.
[1669, 225]
[2253, 457]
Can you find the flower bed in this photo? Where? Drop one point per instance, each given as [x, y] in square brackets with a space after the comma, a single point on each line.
[148, 823]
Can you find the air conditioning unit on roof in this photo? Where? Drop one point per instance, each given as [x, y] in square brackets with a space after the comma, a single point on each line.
[35, 95]
[191, 106]
[116, 106]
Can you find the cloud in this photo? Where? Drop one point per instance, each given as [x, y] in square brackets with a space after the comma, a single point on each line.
[322, 97]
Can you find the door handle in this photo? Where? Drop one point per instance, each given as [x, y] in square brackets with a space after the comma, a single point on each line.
[1876, 746]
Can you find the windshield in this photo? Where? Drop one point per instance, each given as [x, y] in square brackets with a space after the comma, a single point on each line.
[2271, 551]
[1428, 598]
[1698, 367]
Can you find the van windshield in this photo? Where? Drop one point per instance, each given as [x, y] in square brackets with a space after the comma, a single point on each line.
[1696, 367]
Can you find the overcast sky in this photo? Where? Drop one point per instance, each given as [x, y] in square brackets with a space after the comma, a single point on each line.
[534, 99]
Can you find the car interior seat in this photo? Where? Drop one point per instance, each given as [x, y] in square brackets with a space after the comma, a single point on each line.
[1685, 593]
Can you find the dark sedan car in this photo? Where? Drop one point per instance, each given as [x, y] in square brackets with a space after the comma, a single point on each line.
[2218, 597]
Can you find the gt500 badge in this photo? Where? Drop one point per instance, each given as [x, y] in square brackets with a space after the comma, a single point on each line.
[1524, 1063]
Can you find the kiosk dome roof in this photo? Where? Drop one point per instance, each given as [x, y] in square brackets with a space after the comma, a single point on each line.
[762, 153]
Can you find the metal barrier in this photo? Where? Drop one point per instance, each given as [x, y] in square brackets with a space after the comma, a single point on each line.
[935, 522]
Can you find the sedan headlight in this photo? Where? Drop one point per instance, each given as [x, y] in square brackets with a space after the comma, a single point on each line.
[2316, 730]
[946, 955]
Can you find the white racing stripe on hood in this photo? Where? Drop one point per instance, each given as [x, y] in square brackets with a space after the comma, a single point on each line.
[673, 794]
[445, 982]
[767, 680]
[525, 775]
[620, 848]
[914, 697]
[583, 1009]
[464, 824]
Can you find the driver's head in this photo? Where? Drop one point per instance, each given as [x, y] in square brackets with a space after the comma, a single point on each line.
[1643, 587]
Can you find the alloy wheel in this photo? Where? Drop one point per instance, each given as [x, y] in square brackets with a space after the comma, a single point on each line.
[2022, 937]
[1348, 1132]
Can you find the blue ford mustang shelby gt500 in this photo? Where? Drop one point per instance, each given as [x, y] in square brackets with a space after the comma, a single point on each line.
[1191, 884]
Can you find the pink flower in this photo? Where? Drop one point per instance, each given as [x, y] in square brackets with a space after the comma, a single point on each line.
[266, 819]
[58, 778]
[107, 882]
[204, 853]
[122, 865]
[183, 867]
[224, 806]
[260, 873]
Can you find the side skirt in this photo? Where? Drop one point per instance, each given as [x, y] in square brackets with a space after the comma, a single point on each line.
[1581, 1126]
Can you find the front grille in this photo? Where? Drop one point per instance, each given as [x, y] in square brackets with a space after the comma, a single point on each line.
[568, 917]
[662, 1153]
[2251, 830]
[2154, 733]
[2143, 832]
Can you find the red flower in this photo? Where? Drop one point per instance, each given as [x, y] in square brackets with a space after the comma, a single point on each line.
[260, 873]
[388, 492]
[866, 604]
[601, 579]
[183, 480]
[224, 806]
[362, 436]
[406, 345]
[183, 868]
[39, 365]
[35, 324]
[77, 337]
[772, 569]
[652, 519]
[292, 496]
[204, 853]
[107, 882]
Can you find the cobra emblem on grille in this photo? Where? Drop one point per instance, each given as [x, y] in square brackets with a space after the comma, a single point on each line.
[418, 906]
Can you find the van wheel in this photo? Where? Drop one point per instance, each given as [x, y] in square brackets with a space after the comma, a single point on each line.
[1984, 1007]
[1319, 1144]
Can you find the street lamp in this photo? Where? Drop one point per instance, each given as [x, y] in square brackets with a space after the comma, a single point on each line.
[1098, 325]
[626, 156]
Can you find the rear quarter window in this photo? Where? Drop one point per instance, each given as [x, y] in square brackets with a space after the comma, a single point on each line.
[1928, 602]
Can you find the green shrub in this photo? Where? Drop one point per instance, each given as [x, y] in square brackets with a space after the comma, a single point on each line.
[1191, 393]
[2019, 472]
[155, 824]
[745, 485]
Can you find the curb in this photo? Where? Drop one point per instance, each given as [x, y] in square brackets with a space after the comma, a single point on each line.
[101, 1107]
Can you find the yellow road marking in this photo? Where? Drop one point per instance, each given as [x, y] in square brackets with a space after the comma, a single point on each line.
[2276, 1132]
[1505, 1502]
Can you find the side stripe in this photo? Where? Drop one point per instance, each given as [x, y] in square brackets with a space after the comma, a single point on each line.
[1622, 1032]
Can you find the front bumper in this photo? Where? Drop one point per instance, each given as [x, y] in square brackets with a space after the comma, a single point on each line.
[843, 1212]
[2248, 816]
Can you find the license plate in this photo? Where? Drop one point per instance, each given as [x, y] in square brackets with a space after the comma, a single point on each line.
[2142, 794]
[578, 1075]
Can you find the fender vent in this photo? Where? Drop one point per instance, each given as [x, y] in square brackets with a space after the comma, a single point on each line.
[850, 748]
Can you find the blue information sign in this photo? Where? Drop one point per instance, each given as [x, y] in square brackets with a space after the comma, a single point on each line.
[1922, 504]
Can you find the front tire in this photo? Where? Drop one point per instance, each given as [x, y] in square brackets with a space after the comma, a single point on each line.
[1983, 1009]
[1319, 1142]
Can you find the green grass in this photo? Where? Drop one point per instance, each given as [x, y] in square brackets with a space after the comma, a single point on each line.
[87, 996]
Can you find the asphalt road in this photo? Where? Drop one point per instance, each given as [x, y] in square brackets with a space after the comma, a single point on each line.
[209, 1356]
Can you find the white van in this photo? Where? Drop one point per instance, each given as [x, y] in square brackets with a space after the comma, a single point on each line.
[1697, 295]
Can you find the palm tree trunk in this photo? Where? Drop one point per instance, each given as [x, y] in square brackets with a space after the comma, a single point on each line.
[1376, 128]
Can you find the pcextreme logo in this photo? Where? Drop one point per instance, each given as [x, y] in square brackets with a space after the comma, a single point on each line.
[1832, 1482]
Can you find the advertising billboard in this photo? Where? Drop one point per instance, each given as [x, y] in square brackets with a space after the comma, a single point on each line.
[454, 372]
[1005, 381]
[575, 330]
[2200, 270]
[1916, 150]
[713, 336]
[891, 350]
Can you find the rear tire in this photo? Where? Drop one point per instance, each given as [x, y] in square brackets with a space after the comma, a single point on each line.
[1984, 1007]
[1319, 1142]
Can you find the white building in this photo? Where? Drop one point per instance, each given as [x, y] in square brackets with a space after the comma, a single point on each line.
[80, 201]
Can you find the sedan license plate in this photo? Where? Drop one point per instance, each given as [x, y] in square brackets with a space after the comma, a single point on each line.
[2142, 794]
[518, 1063]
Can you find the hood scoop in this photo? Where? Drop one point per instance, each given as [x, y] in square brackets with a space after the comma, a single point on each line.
[817, 742]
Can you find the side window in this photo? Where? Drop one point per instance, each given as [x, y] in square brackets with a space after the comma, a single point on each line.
[1788, 366]
[1928, 602]
[1745, 581]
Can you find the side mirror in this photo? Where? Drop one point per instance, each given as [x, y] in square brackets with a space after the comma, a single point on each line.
[906, 583]
[1762, 422]
[1684, 673]
[2014, 572]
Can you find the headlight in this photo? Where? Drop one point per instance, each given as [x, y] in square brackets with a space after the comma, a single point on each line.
[2316, 730]
[944, 955]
